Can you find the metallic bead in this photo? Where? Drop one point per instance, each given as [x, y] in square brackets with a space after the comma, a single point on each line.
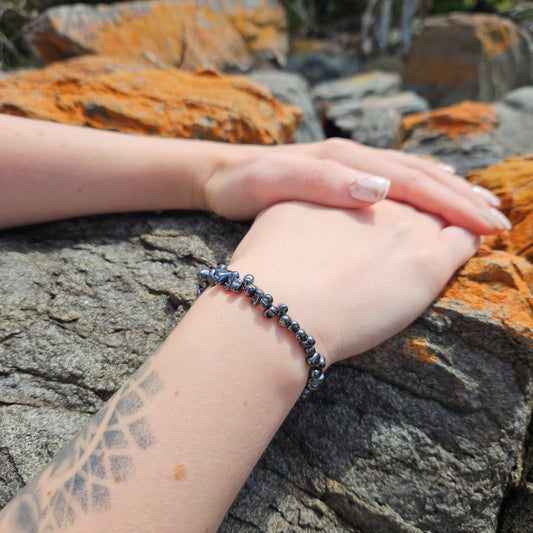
[249, 289]
[233, 275]
[300, 335]
[202, 274]
[294, 326]
[305, 393]
[270, 312]
[282, 309]
[236, 286]
[211, 277]
[222, 266]
[314, 383]
[254, 300]
[199, 292]
[248, 279]
[266, 301]
[321, 363]
[315, 373]
[221, 276]
[313, 359]
[284, 321]
[310, 341]
[310, 351]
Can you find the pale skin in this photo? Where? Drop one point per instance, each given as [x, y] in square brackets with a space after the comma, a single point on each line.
[173, 447]
[51, 171]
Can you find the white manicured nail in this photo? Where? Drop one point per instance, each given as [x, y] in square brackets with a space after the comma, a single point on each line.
[448, 168]
[487, 195]
[369, 188]
[495, 218]
[500, 216]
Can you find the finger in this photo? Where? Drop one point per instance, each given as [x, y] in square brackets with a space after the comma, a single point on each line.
[447, 176]
[459, 245]
[420, 190]
[320, 181]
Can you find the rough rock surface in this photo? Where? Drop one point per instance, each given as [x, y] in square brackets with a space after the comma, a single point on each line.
[188, 34]
[468, 56]
[99, 92]
[470, 135]
[293, 89]
[425, 433]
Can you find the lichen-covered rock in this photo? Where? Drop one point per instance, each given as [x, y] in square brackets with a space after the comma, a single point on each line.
[468, 56]
[470, 135]
[423, 433]
[183, 33]
[108, 94]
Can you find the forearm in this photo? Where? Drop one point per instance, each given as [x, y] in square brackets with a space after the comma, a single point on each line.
[212, 398]
[50, 171]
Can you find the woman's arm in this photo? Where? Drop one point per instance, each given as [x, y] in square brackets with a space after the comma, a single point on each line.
[50, 171]
[172, 448]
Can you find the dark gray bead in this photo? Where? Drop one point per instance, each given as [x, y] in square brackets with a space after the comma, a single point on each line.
[236, 286]
[211, 277]
[305, 393]
[321, 363]
[222, 266]
[199, 292]
[270, 312]
[254, 300]
[203, 274]
[284, 321]
[310, 341]
[249, 289]
[314, 383]
[294, 326]
[282, 309]
[313, 359]
[315, 373]
[233, 275]
[300, 335]
[221, 276]
[266, 301]
[248, 279]
[310, 351]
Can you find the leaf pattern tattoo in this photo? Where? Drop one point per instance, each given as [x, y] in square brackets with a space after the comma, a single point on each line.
[87, 468]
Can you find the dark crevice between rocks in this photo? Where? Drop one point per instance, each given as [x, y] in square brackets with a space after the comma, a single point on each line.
[516, 510]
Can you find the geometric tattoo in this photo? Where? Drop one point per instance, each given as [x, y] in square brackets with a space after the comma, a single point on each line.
[86, 469]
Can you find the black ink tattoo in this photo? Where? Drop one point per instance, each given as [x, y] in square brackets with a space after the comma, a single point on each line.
[91, 464]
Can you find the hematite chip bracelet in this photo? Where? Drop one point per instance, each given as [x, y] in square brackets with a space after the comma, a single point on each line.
[230, 281]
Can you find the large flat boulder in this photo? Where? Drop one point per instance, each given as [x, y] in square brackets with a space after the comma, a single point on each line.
[423, 433]
[126, 96]
[223, 34]
[468, 56]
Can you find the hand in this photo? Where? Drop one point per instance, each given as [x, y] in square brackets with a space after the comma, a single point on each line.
[342, 173]
[352, 278]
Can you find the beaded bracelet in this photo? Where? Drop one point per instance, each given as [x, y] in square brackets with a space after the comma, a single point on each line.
[230, 281]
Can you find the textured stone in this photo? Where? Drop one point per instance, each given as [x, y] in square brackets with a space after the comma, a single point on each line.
[108, 94]
[375, 120]
[293, 89]
[468, 56]
[188, 34]
[423, 433]
[469, 135]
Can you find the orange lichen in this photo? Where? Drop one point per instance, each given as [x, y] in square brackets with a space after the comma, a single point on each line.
[170, 103]
[420, 348]
[496, 34]
[512, 181]
[465, 119]
[183, 34]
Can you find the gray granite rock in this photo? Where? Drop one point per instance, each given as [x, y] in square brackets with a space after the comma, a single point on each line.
[392, 443]
[294, 89]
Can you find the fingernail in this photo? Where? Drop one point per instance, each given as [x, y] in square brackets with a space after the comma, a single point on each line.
[448, 168]
[368, 188]
[495, 218]
[487, 195]
[501, 217]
